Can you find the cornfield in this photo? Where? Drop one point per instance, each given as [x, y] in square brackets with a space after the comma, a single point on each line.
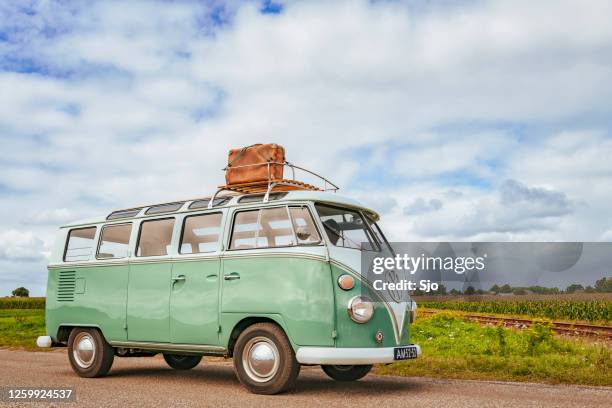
[22, 303]
[555, 309]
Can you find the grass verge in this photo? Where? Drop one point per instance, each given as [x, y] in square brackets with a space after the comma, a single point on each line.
[452, 348]
[455, 348]
[19, 328]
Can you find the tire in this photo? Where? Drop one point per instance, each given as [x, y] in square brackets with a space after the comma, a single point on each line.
[182, 362]
[89, 353]
[264, 359]
[346, 372]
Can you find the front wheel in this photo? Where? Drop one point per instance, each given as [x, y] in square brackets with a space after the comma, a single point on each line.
[89, 353]
[180, 362]
[346, 372]
[264, 360]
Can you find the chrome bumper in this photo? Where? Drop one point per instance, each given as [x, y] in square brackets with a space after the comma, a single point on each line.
[44, 341]
[347, 356]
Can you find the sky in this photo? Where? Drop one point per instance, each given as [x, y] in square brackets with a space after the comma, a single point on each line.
[456, 120]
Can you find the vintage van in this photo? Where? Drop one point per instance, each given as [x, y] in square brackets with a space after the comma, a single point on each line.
[272, 280]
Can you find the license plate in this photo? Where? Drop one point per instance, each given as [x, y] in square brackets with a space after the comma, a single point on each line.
[404, 353]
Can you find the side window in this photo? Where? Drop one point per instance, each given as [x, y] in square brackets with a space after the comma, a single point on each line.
[155, 237]
[201, 233]
[244, 233]
[304, 226]
[273, 227]
[114, 241]
[80, 244]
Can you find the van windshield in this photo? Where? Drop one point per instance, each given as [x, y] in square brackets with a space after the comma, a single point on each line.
[347, 228]
[379, 235]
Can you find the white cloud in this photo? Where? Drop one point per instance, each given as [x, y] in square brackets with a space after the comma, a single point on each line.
[51, 216]
[420, 206]
[20, 246]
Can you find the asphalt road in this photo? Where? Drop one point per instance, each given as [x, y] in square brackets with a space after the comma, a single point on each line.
[149, 382]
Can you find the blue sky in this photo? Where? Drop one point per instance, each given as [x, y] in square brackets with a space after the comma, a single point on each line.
[457, 120]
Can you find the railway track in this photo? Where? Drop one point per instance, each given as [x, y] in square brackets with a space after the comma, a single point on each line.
[573, 329]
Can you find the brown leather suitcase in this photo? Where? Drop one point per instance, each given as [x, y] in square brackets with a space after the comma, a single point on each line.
[258, 162]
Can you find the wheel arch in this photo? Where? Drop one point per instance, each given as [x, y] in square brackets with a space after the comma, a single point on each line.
[246, 322]
[63, 331]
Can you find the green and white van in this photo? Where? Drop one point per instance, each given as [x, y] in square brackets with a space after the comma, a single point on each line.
[271, 280]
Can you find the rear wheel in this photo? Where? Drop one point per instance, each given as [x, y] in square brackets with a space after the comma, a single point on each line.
[346, 372]
[264, 359]
[89, 353]
[181, 362]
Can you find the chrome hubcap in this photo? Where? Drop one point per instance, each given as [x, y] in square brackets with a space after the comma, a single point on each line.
[260, 359]
[84, 350]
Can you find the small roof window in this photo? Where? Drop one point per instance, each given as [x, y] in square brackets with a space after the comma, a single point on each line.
[256, 198]
[204, 202]
[115, 215]
[164, 208]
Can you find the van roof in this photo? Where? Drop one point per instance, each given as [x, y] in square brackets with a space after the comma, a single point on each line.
[177, 207]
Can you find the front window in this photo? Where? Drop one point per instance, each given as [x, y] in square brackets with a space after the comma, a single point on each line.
[380, 237]
[346, 228]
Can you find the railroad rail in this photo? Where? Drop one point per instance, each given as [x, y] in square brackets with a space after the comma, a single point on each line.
[572, 329]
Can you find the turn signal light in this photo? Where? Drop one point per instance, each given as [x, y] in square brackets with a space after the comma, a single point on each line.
[346, 282]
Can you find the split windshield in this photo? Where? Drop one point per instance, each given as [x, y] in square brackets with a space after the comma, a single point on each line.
[349, 229]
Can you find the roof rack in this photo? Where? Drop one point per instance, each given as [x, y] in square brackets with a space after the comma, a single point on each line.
[274, 185]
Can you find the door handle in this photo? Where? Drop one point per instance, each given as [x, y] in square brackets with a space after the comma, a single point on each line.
[231, 276]
[180, 278]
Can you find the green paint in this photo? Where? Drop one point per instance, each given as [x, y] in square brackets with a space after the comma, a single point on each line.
[298, 289]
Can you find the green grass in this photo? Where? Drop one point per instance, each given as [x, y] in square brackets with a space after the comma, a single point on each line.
[455, 348]
[596, 311]
[19, 328]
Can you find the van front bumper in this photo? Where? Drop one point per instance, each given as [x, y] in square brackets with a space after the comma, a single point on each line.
[347, 356]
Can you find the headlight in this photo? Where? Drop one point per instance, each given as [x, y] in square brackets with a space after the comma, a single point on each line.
[360, 309]
[413, 311]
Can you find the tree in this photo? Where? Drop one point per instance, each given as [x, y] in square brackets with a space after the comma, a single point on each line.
[603, 285]
[454, 292]
[573, 288]
[495, 289]
[589, 289]
[470, 290]
[441, 290]
[506, 289]
[21, 292]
